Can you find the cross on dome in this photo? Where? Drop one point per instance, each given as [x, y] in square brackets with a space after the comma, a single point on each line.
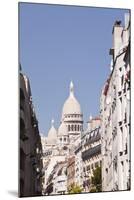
[52, 122]
[52, 133]
[71, 89]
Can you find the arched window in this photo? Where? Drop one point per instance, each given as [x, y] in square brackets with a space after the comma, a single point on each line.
[78, 127]
[75, 128]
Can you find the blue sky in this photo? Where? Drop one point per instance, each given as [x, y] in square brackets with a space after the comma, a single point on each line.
[63, 43]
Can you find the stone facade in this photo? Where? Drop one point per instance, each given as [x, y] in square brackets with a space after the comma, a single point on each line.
[71, 172]
[78, 163]
[115, 113]
[91, 151]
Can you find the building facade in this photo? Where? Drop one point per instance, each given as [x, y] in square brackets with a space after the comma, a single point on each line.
[30, 148]
[60, 178]
[78, 163]
[115, 113]
[91, 151]
[70, 172]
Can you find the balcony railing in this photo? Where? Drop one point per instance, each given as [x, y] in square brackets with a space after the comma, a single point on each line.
[93, 139]
[77, 149]
[91, 152]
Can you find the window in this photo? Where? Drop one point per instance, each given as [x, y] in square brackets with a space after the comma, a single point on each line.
[125, 118]
[96, 164]
[92, 166]
[72, 127]
[64, 148]
[88, 167]
[75, 128]
[115, 163]
[126, 148]
[107, 170]
[121, 99]
[124, 90]
[68, 127]
[122, 78]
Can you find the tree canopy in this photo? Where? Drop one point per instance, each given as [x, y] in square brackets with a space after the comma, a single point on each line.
[96, 180]
[75, 189]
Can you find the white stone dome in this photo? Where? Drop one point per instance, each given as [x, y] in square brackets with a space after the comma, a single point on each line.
[52, 134]
[71, 105]
[62, 129]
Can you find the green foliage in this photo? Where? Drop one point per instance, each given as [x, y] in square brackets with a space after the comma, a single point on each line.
[96, 180]
[75, 189]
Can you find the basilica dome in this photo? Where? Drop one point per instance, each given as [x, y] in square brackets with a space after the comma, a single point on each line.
[71, 105]
[52, 134]
[62, 129]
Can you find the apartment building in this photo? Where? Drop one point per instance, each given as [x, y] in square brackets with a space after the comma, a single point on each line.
[115, 113]
[30, 149]
[91, 151]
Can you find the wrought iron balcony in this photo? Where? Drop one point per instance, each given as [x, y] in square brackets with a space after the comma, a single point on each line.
[91, 152]
[93, 139]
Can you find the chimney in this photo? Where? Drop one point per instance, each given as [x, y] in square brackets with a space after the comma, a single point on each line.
[117, 39]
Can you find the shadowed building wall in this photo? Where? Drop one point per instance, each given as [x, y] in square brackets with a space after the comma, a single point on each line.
[30, 149]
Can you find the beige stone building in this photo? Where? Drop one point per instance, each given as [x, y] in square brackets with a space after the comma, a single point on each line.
[91, 151]
[115, 113]
[70, 172]
[78, 163]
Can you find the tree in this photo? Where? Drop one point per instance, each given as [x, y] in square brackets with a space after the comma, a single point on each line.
[75, 189]
[96, 180]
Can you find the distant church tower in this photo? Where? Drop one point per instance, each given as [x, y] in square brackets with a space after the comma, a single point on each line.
[72, 116]
[70, 128]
